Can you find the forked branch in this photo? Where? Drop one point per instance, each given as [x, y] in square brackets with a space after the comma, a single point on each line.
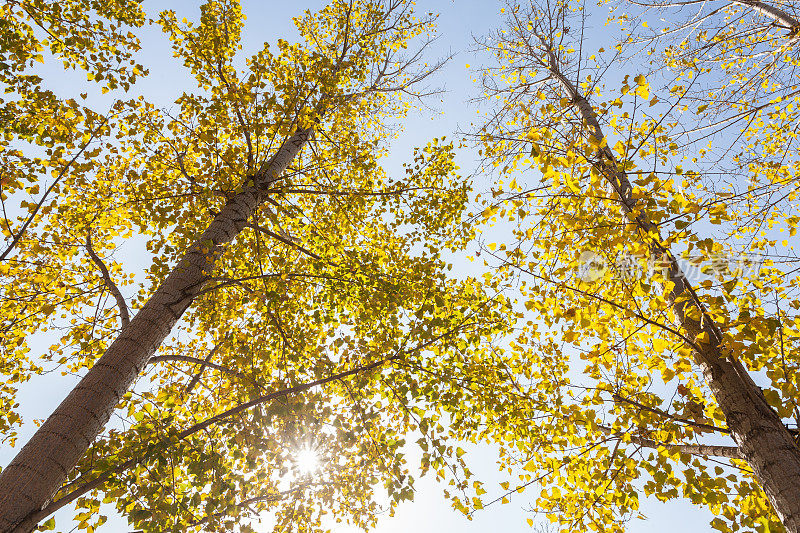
[124, 315]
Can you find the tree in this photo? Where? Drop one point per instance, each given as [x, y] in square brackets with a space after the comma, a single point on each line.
[652, 258]
[299, 288]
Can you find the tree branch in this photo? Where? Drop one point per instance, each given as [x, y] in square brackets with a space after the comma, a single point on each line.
[655, 410]
[779, 16]
[196, 360]
[196, 378]
[731, 452]
[276, 496]
[52, 186]
[124, 316]
[97, 482]
[284, 240]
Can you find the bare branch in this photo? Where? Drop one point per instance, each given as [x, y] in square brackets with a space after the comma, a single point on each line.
[778, 15]
[124, 315]
[731, 452]
[284, 240]
[196, 378]
[195, 360]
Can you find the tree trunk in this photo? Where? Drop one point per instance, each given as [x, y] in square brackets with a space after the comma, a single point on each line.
[42, 465]
[755, 427]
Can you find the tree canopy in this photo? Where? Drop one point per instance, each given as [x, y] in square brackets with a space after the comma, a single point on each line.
[633, 333]
[652, 250]
[332, 288]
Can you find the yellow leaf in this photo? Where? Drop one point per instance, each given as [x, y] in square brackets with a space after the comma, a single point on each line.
[660, 345]
[597, 143]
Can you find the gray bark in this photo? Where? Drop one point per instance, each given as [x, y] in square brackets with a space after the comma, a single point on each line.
[708, 450]
[42, 465]
[762, 439]
[778, 15]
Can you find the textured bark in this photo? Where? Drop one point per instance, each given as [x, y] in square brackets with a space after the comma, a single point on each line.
[762, 439]
[42, 465]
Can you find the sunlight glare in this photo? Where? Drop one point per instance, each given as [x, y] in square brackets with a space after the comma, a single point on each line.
[307, 460]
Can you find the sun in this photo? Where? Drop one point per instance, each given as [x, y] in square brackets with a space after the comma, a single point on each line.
[307, 460]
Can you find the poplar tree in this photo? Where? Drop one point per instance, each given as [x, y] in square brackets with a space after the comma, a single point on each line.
[295, 293]
[652, 189]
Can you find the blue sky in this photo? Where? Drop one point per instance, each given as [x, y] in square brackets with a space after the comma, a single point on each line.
[458, 23]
